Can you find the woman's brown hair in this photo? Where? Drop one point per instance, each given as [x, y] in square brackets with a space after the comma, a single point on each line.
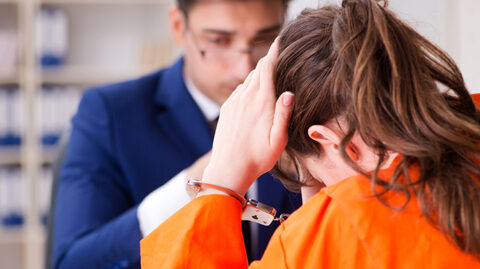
[400, 93]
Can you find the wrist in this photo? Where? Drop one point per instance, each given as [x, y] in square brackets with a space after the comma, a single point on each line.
[239, 182]
[196, 186]
[204, 192]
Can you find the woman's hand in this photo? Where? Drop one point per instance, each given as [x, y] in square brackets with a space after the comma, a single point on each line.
[252, 130]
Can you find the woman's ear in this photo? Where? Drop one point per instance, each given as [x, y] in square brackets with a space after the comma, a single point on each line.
[177, 23]
[327, 137]
[324, 135]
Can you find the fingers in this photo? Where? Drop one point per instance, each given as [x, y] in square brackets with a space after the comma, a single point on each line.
[240, 88]
[266, 73]
[260, 80]
[273, 51]
[249, 77]
[281, 118]
[267, 87]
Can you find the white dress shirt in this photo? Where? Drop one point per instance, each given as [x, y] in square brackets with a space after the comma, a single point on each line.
[160, 204]
[163, 202]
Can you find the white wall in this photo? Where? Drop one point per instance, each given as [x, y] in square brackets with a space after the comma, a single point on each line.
[462, 41]
[453, 25]
[112, 36]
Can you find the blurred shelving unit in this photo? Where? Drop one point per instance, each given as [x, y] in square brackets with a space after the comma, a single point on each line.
[10, 156]
[83, 75]
[11, 235]
[108, 41]
[110, 2]
[12, 239]
[9, 78]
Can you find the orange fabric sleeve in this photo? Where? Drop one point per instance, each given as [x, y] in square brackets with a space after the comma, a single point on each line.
[206, 233]
[476, 99]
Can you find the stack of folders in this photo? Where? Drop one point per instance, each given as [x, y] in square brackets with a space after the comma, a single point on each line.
[11, 196]
[12, 199]
[52, 36]
[11, 116]
[11, 182]
[44, 192]
[56, 105]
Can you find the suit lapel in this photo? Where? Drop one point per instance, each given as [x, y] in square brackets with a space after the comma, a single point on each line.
[179, 116]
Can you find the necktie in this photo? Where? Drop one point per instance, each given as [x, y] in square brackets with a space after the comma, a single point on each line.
[213, 125]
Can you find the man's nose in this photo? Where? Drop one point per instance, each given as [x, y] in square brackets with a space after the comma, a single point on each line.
[243, 65]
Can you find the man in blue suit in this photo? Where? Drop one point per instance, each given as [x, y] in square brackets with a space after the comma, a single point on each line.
[134, 144]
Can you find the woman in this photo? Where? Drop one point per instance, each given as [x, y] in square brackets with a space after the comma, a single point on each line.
[381, 117]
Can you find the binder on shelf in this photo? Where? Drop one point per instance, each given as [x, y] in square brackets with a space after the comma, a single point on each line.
[11, 196]
[11, 115]
[44, 193]
[52, 36]
[56, 106]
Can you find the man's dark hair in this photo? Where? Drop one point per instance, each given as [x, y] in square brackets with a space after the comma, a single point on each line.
[186, 5]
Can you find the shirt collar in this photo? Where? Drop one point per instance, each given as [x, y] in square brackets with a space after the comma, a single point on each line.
[209, 108]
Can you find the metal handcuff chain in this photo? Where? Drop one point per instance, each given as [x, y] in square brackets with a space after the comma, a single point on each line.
[252, 210]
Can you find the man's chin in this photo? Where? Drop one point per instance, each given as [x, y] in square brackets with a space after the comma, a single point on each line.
[225, 94]
[231, 88]
[228, 90]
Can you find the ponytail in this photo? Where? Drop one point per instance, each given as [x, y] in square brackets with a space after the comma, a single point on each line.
[401, 93]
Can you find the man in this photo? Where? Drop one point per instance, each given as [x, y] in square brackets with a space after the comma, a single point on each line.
[147, 136]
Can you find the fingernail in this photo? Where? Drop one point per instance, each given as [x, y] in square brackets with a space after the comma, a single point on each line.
[288, 98]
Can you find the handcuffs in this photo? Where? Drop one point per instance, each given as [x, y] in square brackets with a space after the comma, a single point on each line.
[252, 210]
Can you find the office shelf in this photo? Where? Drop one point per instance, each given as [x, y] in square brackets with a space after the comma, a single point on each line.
[84, 75]
[107, 41]
[12, 235]
[109, 2]
[9, 78]
[8, 1]
[10, 156]
[49, 155]
[13, 156]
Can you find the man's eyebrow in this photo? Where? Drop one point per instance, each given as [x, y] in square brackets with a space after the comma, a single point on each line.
[218, 31]
[265, 30]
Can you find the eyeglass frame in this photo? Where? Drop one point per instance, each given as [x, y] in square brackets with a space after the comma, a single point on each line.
[203, 52]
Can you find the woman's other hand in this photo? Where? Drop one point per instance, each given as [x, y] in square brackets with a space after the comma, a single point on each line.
[252, 129]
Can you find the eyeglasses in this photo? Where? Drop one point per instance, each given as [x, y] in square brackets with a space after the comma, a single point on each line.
[225, 54]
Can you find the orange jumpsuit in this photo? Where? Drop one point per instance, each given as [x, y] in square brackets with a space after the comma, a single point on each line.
[340, 227]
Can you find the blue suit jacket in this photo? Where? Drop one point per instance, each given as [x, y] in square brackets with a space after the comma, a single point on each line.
[127, 140]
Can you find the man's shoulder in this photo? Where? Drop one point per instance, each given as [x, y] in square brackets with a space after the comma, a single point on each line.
[122, 99]
[129, 88]
[143, 90]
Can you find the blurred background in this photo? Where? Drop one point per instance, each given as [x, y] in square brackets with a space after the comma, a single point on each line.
[52, 50]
